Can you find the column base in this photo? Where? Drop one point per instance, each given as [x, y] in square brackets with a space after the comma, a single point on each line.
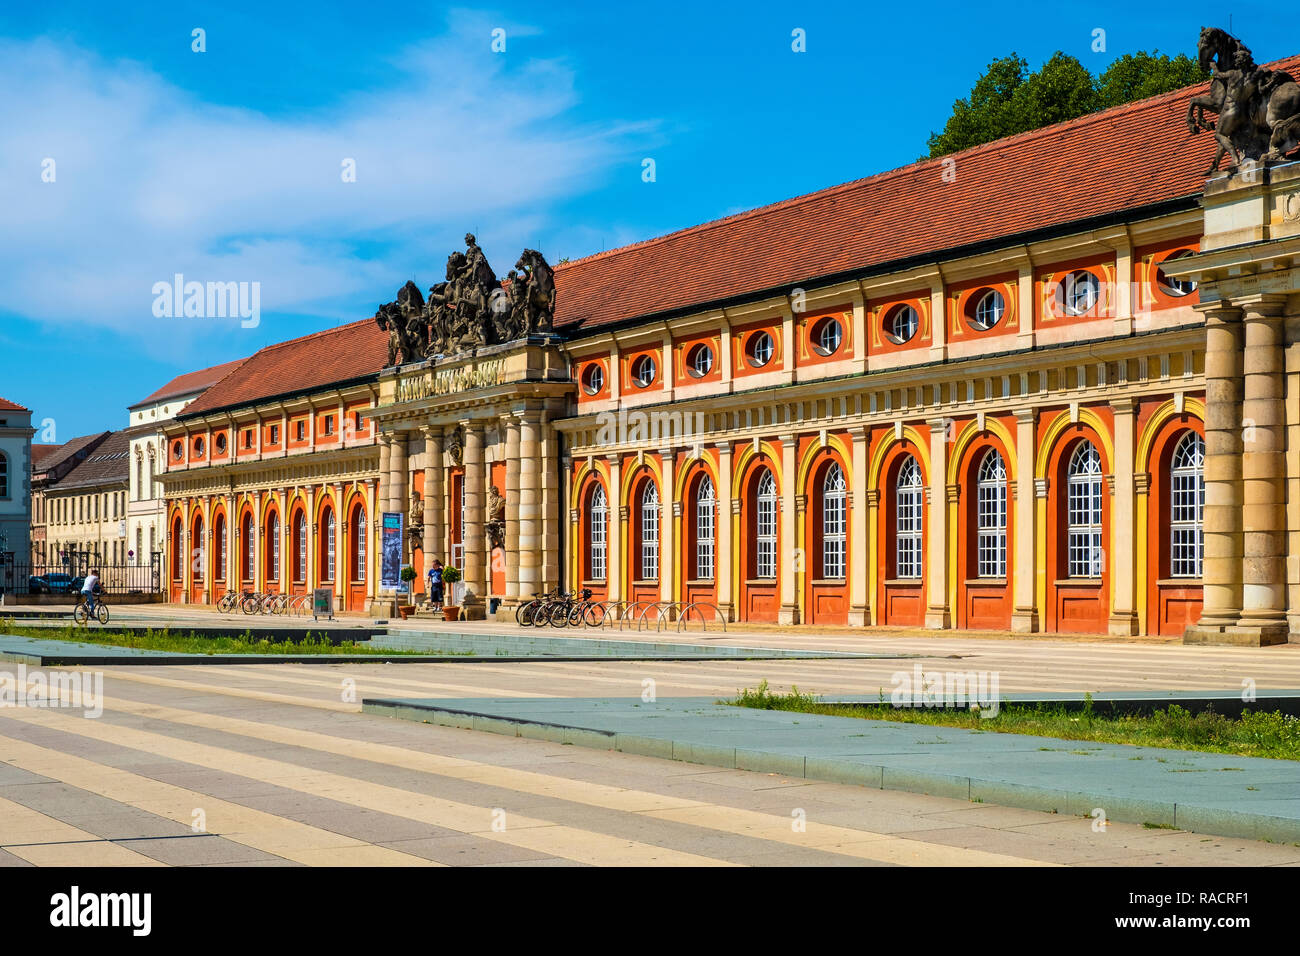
[788, 614]
[1238, 635]
[1024, 622]
[382, 607]
[1123, 624]
[473, 612]
[938, 619]
[859, 615]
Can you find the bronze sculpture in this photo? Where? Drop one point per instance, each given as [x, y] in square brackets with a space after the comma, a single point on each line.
[472, 308]
[1259, 109]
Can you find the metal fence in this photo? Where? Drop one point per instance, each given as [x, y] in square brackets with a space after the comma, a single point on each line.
[67, 576]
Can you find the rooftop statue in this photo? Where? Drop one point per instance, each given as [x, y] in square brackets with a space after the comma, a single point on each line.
[405, 324]
[1259, 109]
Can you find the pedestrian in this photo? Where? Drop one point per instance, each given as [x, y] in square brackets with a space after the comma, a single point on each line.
[435, 584]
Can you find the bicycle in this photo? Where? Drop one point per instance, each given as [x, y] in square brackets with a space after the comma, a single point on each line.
[81, 613]
[526, 614]
[251, 602]
[229, 601]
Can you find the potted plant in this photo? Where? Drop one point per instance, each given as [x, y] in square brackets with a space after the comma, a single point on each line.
[407, 575]
[450, 575]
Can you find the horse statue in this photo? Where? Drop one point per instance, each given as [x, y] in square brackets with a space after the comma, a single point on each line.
[539, 291]
[1259, 109]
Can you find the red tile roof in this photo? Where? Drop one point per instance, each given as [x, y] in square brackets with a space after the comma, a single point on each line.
[8, 406]
[1120, 159]
[190, 383]
[313, 362]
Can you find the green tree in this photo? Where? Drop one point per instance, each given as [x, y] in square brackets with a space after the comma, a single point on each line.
[1008, 98]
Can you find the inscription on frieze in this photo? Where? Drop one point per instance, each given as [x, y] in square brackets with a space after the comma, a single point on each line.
[449, 381]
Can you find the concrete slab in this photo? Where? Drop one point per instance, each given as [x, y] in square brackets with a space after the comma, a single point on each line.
[1204, 792]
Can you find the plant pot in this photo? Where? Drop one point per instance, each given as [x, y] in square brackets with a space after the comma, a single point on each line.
[405, 610]
[451, 613]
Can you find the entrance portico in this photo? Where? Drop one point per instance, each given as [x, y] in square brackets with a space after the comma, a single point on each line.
[487, 416]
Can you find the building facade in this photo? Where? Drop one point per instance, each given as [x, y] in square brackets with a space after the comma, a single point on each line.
[15, 482]
[85, 508]
[971, 393]
[146, 510]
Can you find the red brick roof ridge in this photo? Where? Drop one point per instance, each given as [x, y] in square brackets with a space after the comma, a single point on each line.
[1043, 131]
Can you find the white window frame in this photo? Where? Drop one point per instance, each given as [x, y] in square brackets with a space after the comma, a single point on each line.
[989, 310]
[1187, 507]
[991, 516]
[300, 532]
[330, 547]
[701, 361]
[830, 336]
[834, 523]
[1072, 301]
[909, 521]
[1085, 497]
[706, 510]
[597, 533]
[644, 370]
[650, 532]
[912, 325]
[765, 524]
[761, 348]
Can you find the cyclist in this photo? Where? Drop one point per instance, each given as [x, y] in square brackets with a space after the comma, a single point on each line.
[89, 589]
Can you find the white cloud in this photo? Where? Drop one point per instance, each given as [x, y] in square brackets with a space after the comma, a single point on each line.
[152, 181]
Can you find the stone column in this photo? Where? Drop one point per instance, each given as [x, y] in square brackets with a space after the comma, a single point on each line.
[374, 553]
[1222, 518]
[309, 570]
[385, 461]
[789, 610]
[859, 602]
[475, 539]
[398, 465]
[1024, 618]
[874, 567]
[551, 504]
[667, 540]
[341, 563]
[1123, 518]
[528, 507]
[936, 611]
[511, 426]
[724, 575]
[1263, 472]
[433, 497]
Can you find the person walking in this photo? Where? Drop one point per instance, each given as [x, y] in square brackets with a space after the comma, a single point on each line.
[435, 584]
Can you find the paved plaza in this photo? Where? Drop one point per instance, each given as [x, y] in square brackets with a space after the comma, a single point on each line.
[275, 763]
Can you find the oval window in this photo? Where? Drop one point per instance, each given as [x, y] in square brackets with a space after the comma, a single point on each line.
[1172, 286]
[760, 349]
[643, 371]
[699, 362]
[901, 324]
[1078, 292]
[989, 309]
[593, 378]
[827, 336]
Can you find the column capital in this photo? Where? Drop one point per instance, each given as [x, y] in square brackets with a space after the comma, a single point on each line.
[1142, 483]
[1026, 416]
[1262, 305]
[1122, 405]
[1220, 311]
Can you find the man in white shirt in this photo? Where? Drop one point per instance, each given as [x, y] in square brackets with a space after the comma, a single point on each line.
[89, 588]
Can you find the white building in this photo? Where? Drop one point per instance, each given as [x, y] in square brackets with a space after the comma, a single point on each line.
[144, 511]
[15, 484]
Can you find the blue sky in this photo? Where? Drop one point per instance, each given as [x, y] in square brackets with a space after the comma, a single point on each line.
[225, 165]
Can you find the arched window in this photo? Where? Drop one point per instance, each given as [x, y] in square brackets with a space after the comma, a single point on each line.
[219, 564]
[649, 532]
[834, 525]
[178, 545]
[198, 554]
[359, 544]
[765, 527]
[250, 548]
[910, 504]
[272, 548]
[300, 547]
[706, 509]
[1084, 497]
[328, 563]
[1187, 501]
[599, 512]
[991, 515]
